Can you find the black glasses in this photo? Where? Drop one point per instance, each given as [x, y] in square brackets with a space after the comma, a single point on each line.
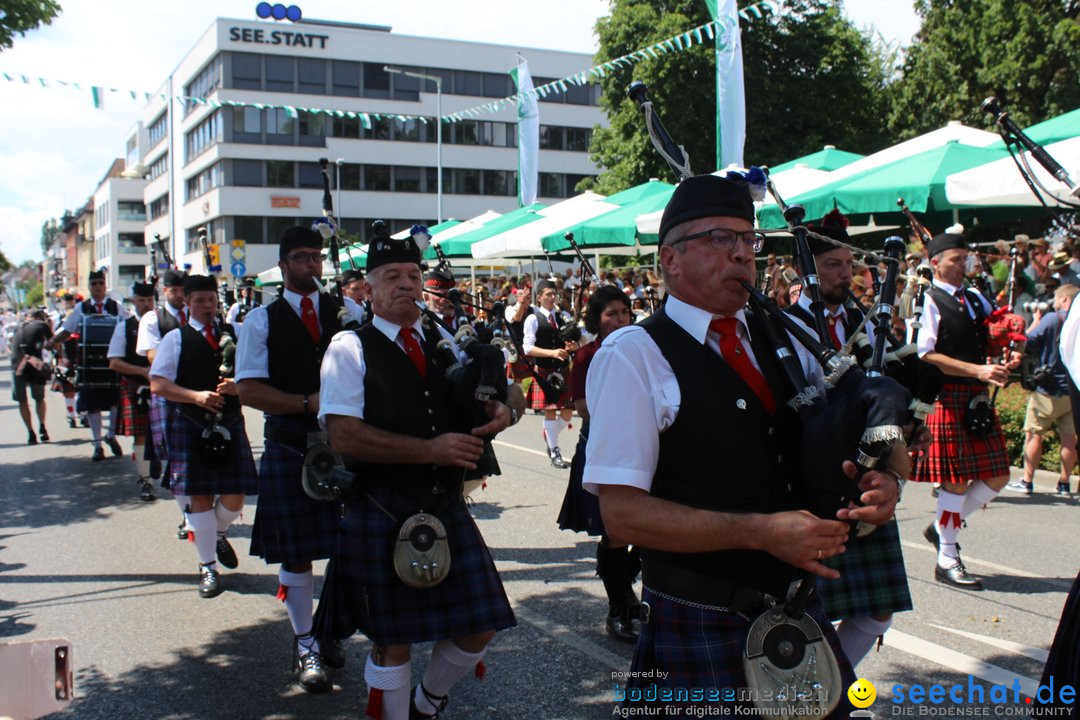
[724, 240]
[302, 257]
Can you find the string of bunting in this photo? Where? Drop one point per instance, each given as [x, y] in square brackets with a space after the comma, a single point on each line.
[675, 43]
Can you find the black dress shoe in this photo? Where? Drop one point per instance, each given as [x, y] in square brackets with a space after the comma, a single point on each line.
[438, 702]
[84, 422]
[556, 459]
[71, 422]
[182, 531]
[43, 434]
[209, 581]
[313, 677]
[31, 439]
[114, 446]
[147, 492]
[98, 455]
[333, 653]
[620, 624]
[957, 576]
[225, 553]
[931, 535]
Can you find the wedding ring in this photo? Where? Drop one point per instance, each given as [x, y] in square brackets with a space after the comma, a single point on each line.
[818, 554]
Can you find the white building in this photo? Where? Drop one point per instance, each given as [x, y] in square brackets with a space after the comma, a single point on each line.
[119, 222]
[248, 173]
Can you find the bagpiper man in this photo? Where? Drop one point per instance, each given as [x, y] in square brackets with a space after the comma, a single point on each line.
[277, 371]
[542, 341]
[386, 405]
[65, 360]
[441, 281]
[244, 304]
[209, 454]
[967, 455]
[134, 371]
[99, 394]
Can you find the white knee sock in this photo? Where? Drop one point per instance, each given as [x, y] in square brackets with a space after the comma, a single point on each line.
[225, 517]
[94, 419]
[142, 465]
[551, 433]
[388, 690]
[563, 424]
[858, 635]
[949, 506]
[113, 414]
[977, 495]
[299, 591]
[69, 403]
[448, 664]
[204, 525]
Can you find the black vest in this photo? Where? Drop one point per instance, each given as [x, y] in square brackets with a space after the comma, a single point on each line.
[547, 337]
[851, 319]
[198, 368]
[294, 359]
[397, 400]
[131, 335]
[166, 321]
[959, 336]
[89, 307]
[725, 452]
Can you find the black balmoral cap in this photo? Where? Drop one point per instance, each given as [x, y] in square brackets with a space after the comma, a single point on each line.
[707, 196]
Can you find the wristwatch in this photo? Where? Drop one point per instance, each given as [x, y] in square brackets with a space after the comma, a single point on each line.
[513, 415]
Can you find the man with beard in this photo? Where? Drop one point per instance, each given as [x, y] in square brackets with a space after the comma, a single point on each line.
[94, 400]
[134, 371]
[352, 285]
[277, 371]
[440, 281]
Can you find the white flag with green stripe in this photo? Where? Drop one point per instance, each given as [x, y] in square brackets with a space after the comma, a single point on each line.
[730, 98]
[528, 134]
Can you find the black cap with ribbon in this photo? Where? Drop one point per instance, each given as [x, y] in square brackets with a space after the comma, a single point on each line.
[385, 250]
[707, 196]
[945, 241]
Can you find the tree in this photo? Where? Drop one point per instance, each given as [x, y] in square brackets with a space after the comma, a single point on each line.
[50, 230]
[5, 264]
[1022, 51]
[811, 79]
[19, 16]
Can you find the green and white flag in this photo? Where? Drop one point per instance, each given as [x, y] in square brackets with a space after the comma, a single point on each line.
[528, 134]
[730, 98]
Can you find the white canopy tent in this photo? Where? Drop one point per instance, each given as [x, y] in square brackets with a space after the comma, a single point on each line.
[999, 183]
[524, 240]
[460, 229]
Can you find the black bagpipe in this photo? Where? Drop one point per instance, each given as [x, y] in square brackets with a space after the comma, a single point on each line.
[328, 230]
[858, 418]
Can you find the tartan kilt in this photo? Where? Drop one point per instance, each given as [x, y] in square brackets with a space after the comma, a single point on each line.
[580, 509]
[290, 527]
[188, 472]
[91, 400]
[133, 420]
[538, 400]
[955, 455]
[703, 648]
[362, 592]
[62, 385]
[873, 580]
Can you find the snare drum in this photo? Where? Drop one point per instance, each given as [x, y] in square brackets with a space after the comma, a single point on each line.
[95, 333]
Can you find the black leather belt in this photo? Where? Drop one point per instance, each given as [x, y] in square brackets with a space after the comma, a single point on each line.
[705, 590]
[292, 438]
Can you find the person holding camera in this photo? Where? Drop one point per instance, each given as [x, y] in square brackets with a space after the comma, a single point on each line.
[1048, 405]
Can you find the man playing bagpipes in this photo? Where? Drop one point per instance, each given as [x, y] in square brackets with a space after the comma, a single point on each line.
[545, 340]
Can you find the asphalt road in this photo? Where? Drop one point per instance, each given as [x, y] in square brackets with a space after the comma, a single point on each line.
[83, 559]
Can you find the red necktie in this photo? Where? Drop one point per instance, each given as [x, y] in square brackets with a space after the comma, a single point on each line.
[551, 319]
[732, 352]
[831, 322]
[99, 308]
[412, 349]
[311, 322]
[211, 338]
[959, 295]
[181, 317]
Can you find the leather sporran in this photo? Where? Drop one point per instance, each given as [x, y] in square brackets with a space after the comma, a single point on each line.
[422, 552]
[215, 444]
[979, 417]
[790, 668]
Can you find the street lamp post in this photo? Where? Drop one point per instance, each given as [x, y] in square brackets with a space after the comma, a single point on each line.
[438, 124]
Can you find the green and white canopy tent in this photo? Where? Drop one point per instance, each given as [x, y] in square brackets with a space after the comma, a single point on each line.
[525, 239]
[616, 232]
[826, 159]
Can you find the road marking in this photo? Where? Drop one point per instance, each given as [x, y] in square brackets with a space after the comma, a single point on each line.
[519, 447]
[969, 560]
[568, 637]
[958, 661]
[1014, 647]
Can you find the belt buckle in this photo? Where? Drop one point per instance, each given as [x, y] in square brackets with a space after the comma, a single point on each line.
[644, 613]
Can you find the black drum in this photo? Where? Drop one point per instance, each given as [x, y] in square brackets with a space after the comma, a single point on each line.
[95, 333]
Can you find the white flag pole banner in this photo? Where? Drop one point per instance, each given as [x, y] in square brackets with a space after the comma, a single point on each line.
[730, 97]
[528, 134]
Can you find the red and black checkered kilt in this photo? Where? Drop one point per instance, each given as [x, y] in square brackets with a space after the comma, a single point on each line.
[362, 593]
[955, 455]
[538, 400]
[188, 472]
[133, 420]
[702, 647]
[290, 527]
[873, 580]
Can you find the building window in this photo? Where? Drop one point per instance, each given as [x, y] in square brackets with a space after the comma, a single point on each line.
[345, 78]
[248, 229]
[310, 175]
[131, 210]
[159, 129]
[159, 167]
[247, 173]
[275, 226]
[497, 85]
[279, 127]
[280, 73]
[577, 139]
[407, 87]
[468, 83]
[205, 134]
[204, 182]
[312, 129]
[466, 181]
[551, 137]
[344, 127]
[499, 182]
[312, 74]
[127, 275]
[380, 129]
[247, 125]
[130, 241]
[246, 71]
[204, 84]
[350, 176]
[406, 130]
[376, 177]
[376, 81]
[215, 234]
[280, 174]
[552, 185]
[159, 208]
[467, 132]
[407, 179]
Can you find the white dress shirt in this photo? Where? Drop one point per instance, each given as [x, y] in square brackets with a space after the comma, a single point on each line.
[71, 323]
[149, 334]
[118, 342]
[342, 374]
[931, 316]
[167, 358]
[840, 313]
[532, 323]
[634, 396]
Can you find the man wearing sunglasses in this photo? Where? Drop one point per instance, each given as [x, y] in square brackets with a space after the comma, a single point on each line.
[101, 398]
[690, 451]
[277, 371]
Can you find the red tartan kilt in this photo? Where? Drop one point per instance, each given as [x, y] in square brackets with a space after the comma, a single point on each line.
[537, 400]
[955, 455]
[133, 422]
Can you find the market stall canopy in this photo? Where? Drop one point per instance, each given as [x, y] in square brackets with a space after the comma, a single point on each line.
[460, 246]
[618, 228]
[828, 158]
[524, 241]
[272, 276]
[433, 230]
[999, 183]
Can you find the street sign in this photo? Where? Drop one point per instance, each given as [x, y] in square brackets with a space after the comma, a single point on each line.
[239, 250]
[239, 269]
[214, 251]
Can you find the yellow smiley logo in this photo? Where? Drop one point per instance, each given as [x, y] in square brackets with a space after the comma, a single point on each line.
[862, 693]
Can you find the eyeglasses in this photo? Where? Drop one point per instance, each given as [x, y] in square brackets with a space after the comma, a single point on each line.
[303, 257]
[724, 240]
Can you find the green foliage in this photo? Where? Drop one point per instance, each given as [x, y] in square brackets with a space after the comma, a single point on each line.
[1022, 51]
[1011, 408]
[5, 264]
[35, 296]
[50, 229]
[811, 79]
[19, 16]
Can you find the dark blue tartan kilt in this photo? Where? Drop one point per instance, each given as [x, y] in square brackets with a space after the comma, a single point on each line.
[873, 579]
[157, 448]
[188, 472]
[362, 593]
[1063, 663]
[290, 527]
[701, 647]
[580, 510]
[91, 400]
